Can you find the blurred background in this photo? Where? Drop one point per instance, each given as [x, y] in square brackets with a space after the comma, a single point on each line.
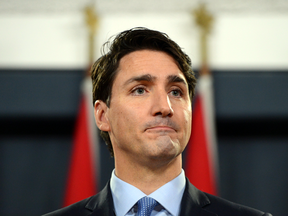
[43, 58]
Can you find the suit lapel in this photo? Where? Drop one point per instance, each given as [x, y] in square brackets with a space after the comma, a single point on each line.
[102, 203]
[194, 201]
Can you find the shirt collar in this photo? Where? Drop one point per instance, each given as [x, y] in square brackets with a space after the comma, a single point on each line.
[169, 195]
[124, 201]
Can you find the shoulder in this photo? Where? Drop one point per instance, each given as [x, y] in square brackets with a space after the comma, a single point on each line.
[196, 200]
[78, 208]
[225, 207]
[99, 204]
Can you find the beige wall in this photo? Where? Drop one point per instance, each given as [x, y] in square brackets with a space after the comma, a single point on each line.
[238, 41]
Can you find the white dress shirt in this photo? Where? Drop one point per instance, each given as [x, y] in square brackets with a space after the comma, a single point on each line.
[126, 196]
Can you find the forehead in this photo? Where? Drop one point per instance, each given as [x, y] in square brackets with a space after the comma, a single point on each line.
[158, 64]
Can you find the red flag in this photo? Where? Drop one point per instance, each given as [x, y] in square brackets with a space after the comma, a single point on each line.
[82, 175]
[201, 157]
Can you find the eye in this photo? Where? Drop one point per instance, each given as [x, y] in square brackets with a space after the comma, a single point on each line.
[138, 91]
[176, 93]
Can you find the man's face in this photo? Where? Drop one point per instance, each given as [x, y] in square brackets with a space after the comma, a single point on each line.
[150, 113]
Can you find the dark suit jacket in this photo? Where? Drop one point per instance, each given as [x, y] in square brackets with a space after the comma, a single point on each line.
[194, 203]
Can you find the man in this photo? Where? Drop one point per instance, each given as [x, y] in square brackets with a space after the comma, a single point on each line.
[142, 93]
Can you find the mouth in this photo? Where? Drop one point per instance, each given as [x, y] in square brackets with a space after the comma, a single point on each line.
[160, 128]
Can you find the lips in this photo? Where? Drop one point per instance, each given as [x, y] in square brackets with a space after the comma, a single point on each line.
[160, 128]
[160, 124]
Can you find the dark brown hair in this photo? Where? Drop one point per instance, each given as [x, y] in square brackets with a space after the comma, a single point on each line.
[105, 68]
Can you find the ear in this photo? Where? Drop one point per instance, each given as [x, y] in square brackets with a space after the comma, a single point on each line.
[100, 114]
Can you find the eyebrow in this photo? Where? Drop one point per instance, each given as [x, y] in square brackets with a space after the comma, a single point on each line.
[149, 78]
[145, 77]
[176, 79]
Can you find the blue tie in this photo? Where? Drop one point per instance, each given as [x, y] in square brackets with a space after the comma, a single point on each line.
[145, 206]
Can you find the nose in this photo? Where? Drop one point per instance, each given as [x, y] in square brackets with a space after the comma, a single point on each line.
[162, 105]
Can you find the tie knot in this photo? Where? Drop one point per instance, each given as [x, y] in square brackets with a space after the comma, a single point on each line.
[145, 206]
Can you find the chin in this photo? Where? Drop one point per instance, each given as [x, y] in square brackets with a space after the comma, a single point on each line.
[168, 149]
[162, 159]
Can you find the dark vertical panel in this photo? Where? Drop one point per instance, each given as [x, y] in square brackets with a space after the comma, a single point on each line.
[39, 92]
[254, 172]
[37, 114]
[32, 176]
[251, 94]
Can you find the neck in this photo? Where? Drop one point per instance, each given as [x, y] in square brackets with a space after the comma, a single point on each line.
[148, 178]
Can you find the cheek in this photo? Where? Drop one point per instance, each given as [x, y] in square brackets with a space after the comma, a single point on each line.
[125, 118]
[187, 114]
[188, 117]
[188, 120]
